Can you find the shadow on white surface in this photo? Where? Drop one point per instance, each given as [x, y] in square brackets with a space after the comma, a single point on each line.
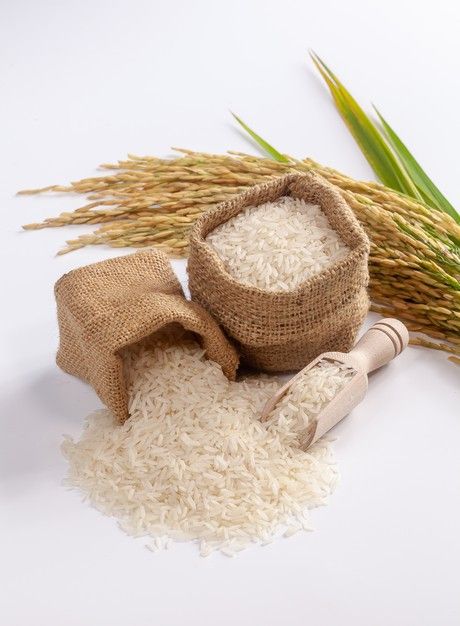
[48, 405]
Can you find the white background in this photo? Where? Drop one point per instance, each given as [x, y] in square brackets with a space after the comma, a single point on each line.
[85, 82]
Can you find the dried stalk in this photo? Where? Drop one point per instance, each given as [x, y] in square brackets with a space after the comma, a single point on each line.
[415, 256]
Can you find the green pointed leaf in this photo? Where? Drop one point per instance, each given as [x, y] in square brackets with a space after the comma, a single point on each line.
[372, 142]
[432, 195]
[273, 152]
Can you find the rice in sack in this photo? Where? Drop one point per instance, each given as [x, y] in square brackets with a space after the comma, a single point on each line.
[283, 269]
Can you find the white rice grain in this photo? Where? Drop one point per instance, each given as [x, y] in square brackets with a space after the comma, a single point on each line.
[278, 245]
[308, 396]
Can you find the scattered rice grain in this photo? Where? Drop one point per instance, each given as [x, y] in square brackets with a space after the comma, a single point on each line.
[193, 462]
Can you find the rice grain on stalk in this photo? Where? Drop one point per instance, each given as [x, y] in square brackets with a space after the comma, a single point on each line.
[415, 250]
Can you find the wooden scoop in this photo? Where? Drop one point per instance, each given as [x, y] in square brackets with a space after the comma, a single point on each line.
[380, 344]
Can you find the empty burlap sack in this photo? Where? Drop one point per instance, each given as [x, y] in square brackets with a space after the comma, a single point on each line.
[104, 307]
[281, 331]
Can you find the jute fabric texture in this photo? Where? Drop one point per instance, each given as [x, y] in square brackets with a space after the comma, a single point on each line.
[282, 331]
[105, 307]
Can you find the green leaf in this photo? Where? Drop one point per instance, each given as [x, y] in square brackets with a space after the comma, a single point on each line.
[273, 152]
[372, 142]
[431, 194]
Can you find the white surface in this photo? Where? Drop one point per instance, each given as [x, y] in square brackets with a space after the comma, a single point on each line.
[85, 82]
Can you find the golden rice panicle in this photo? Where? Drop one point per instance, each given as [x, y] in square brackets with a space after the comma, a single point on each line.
[414, 261]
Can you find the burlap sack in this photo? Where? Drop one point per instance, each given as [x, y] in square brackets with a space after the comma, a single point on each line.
[281, 331]
[104, 307]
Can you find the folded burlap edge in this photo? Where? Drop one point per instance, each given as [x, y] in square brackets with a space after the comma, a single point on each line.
[266, 192]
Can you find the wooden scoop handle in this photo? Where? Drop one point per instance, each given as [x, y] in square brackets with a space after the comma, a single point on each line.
[380, 344]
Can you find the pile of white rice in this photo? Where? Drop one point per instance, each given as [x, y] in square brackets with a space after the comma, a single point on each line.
[278, 245]
[193, 462]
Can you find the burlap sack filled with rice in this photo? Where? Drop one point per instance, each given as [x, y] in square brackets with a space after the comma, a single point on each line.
[284, 327]
[105, 307]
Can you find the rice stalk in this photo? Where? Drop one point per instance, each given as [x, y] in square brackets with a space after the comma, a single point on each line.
[415, 251]
[389, 157]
